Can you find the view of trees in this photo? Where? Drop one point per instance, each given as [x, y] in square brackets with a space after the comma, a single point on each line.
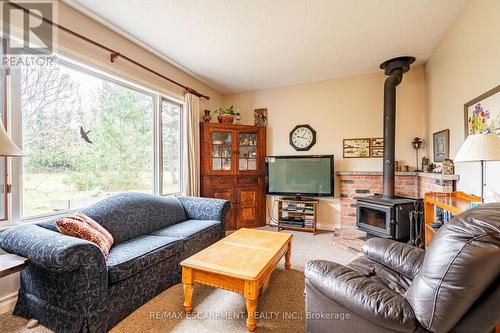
[59, 165]
[171, 139]
[49, 99]
[120, 157]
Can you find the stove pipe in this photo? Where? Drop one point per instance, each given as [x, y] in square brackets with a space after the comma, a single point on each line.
[394, 69]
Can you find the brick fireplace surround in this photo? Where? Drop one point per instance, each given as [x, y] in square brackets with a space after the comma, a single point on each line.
[363, 183]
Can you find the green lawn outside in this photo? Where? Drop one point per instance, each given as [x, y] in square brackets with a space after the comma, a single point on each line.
[45, 193]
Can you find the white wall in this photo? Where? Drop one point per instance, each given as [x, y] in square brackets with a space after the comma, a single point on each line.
[349, 107]
[464, 65]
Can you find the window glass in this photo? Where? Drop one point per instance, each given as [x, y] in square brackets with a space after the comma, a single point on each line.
[84, 137]
[171, 143]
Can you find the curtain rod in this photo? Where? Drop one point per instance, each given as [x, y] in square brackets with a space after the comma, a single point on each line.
[113, 54]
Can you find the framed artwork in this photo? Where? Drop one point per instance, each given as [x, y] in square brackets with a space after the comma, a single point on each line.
[260, 117]
[357, 148]
[441, 144]
[377, 147]
[482, 114]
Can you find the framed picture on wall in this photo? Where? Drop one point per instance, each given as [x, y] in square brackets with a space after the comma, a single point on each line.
[357, 148]
[441, 144]
[482, 114]
[377, 147]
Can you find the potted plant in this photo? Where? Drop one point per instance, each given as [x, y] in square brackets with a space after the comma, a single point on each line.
[226, 115]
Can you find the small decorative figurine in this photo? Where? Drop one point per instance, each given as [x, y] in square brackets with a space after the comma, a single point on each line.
[425, 164]
[238, 118]
[207, 116]
[448, 168]
[260, 117]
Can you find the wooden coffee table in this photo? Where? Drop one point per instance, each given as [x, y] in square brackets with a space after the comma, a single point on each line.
[242, 262]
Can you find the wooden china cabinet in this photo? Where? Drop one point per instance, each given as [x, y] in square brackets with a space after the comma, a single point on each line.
[232, 168]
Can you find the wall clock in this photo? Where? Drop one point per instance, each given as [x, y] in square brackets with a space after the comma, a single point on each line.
[302, 137]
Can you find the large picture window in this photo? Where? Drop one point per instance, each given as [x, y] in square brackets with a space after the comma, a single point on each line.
[84, 137]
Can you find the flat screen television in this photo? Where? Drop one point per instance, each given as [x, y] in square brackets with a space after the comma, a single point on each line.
[300, 176]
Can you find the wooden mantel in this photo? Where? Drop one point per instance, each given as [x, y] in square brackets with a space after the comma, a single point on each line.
[431, 175]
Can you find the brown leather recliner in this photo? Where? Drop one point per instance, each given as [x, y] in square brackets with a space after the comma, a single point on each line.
[454, 286]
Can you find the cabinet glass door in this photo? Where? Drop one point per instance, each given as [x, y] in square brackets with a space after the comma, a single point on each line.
[247, 152]
[222, 151]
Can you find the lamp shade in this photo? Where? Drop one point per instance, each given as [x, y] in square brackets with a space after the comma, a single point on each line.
[7, 146]
[479, 147]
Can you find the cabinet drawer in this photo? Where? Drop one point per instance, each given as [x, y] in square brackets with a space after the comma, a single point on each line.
[217, 181]
[247, 181]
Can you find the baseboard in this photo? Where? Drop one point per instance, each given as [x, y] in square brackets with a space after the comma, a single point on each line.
[7, 303]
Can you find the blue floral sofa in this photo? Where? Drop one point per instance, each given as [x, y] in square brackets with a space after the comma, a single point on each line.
[70, 287]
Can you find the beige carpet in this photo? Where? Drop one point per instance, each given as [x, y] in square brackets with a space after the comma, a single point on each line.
[280, 307]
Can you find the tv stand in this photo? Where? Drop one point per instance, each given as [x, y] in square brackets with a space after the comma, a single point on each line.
[297, 214]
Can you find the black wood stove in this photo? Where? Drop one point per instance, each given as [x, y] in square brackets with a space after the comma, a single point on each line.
[387, 215]
[387, 218]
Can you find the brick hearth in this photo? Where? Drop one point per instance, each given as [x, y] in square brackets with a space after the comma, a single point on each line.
[362, 183]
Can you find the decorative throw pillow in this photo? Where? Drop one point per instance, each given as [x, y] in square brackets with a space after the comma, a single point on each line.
[82, 226]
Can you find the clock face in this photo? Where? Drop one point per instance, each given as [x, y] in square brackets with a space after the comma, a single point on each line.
[302, 137]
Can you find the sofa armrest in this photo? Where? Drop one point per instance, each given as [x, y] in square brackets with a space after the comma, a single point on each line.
[402, 258]
[198, 208]
[51, 250]
[360, 294]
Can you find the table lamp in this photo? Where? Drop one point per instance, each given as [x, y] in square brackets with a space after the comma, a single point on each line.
[7, 146]
[480, 148]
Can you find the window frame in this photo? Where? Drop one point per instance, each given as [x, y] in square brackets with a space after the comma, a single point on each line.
[5, 190]
[181, 146]
[14, 199]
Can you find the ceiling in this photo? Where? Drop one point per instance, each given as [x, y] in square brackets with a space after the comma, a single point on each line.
[244, 45]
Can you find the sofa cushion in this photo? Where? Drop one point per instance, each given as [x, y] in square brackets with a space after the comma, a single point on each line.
[133, 256]
[129, 215]
[381, 274]
[185, 229]
[83, 227]
[400, 257]
[357, 293]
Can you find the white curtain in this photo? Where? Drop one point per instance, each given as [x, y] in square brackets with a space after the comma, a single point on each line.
[191, 146]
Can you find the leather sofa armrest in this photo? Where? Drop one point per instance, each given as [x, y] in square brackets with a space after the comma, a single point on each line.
[51, 250]
[198, 208]
[402, 258]
[360, 294]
